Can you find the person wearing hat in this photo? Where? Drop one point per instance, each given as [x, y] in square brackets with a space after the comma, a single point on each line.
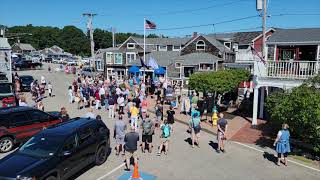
[195, 128]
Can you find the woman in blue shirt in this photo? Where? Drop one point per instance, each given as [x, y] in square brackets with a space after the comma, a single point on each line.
[282, 144]
[194, 126]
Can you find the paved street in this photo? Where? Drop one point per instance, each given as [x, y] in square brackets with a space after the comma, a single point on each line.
[182, 161]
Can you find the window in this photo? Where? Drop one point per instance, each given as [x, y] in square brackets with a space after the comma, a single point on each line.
[118, 58]
[99, 65]
[162, 48]
[109, 57]
[39, 116]
[84, 135]
[200, 45]
[131, 45]
[178, 64]
[19, 119]
[70, 144]
[130, 57]
[227, 44]
[176, 48]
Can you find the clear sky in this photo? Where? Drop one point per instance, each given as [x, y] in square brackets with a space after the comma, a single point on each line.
[127, 15]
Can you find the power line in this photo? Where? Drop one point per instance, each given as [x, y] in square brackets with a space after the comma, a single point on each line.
[296, 14]
[210, 24]
[194, 10]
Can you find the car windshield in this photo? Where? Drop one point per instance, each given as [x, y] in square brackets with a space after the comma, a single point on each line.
[41, 146]
[5, 88]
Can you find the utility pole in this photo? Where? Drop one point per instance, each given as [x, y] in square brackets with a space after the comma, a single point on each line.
[113, 37]
[89, 26]
[264, 24]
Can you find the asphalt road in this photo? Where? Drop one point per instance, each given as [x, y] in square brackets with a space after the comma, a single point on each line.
[182, 161]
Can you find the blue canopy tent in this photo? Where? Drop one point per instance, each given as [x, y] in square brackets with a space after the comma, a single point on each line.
[160, 71]
[134, 69]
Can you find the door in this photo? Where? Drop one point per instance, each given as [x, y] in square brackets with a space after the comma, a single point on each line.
[87, 144]
[45, 119]
[22, 126]
[70, 156]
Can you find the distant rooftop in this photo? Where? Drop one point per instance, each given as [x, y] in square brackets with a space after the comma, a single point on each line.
[301, 35]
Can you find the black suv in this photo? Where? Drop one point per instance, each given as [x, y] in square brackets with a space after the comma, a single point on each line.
[59, 152]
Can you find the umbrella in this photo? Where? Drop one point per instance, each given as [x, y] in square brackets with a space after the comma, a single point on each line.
[134, 69]
[160, 70]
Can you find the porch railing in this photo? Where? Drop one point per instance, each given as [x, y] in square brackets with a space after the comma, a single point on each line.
[292, 69]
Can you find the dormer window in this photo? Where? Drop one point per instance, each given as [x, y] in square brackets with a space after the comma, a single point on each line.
[200, 45]
[131, 45]
[227, 45]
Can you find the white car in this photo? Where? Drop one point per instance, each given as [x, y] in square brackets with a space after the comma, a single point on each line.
[72, 62]
[56, 60]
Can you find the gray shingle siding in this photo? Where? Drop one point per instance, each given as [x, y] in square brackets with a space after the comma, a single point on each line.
[302, 35]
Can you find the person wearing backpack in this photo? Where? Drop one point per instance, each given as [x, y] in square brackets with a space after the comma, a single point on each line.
[165, 137]
[195, 128]
[147, 133]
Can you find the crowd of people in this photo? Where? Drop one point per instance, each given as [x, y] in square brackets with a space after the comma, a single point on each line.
[126, 102]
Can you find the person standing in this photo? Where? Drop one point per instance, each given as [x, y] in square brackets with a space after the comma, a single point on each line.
[282, 144]
[111, 107]
[134, 111]
[120, 128]
[195, 127]
[165, 137]
[102, 93]
[147, 133]
[159, 112]
[222, 125]
[131, 146]
[170, 115]
[70, 94]
[121, 104]
[50, 89]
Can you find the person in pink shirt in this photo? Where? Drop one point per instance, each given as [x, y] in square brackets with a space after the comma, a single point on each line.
[144, 104]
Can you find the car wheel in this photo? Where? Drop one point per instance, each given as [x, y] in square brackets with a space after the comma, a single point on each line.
[6, 144]
[101, 155]
[51, 178]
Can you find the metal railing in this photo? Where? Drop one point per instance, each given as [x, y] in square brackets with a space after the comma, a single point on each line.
[292, 69]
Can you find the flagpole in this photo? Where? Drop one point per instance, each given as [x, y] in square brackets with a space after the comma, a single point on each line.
[144, 49]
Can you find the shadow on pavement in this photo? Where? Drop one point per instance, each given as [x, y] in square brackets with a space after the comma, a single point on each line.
[213, 145]
[270, 157]
[188, 140]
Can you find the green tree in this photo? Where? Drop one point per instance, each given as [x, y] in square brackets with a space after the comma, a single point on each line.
[300, 109]
[218, 81]
[73, 40]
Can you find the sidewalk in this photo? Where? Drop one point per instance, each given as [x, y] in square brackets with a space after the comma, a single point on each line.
[235, 122]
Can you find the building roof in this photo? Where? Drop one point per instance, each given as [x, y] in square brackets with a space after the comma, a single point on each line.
[162, 41]
[216, 43]
[194, 59]
[295, 36]
[4, 43]
[163, 58]
[244, 38]
[25, 47]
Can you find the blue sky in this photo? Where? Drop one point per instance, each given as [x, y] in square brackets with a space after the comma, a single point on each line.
[127, 15]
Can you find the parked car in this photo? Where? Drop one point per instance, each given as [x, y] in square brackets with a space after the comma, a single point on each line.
[56, 60]
[26, 81]
[48, 60]
[88, 71]
[19, 123]
[59, 152]
[25, 64]
[72, 62]
[3, 77]
[7, 95]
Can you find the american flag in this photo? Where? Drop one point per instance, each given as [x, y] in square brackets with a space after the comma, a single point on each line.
[149, 25]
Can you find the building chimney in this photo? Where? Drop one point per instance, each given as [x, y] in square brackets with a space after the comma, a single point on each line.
[194, 34]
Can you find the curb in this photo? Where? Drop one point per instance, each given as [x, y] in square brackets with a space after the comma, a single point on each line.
[185, 123]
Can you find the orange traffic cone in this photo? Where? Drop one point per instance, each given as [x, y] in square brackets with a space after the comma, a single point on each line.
[135, 174]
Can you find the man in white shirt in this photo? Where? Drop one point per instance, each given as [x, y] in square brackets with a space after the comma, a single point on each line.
[102, 93]
[120, 102]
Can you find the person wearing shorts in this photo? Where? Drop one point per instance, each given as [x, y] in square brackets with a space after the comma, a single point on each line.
[119, 134]
[147, 133]
[165, 137]
[221, 135]
[131, 145]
